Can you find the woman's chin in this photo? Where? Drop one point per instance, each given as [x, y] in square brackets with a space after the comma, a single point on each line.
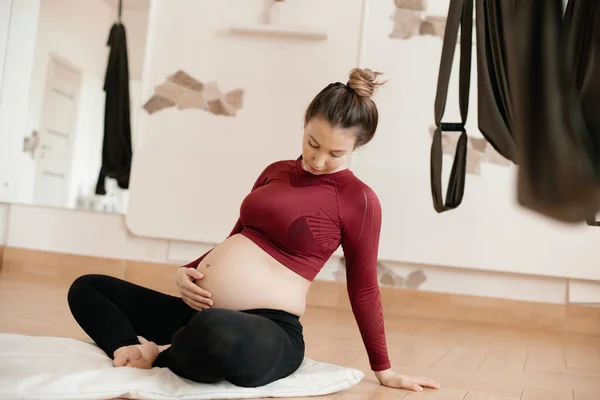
[311, 170]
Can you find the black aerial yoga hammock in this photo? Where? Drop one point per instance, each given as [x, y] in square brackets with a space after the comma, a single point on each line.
[555, 65]
[534, 108]
[579, 21]
[493, 102]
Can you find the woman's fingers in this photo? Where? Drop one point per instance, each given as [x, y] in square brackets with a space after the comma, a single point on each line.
[196, 297]
[195, 305]
[194, 273]
[193, 288]
[190, 284]
[415, 387]
[192, 294]
[423, 381]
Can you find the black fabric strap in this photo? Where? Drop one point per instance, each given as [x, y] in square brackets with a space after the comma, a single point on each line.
[460, 13]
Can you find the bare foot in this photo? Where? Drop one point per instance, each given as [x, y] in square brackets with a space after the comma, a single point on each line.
[136, 356]
[163, 347]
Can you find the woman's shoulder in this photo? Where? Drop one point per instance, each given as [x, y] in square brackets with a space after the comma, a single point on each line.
[354, 191]
[281, 164]
[278, 166]
[352, 185]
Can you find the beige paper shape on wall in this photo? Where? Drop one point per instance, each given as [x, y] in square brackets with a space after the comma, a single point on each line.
[170, 90]
[183, 91]
[415, 18]
[191, 99]
[235, 98]
[386, 276]
[183, 79]
[157, 103]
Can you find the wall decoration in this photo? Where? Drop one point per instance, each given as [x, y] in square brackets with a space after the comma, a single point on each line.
[478, 151]
[182, 91]
[388, 276]
[417, 18]
[408, 17]
[30, 144]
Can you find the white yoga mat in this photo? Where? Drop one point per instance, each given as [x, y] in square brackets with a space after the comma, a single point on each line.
[48, 368]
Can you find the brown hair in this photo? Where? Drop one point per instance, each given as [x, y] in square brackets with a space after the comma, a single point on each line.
[349, 105]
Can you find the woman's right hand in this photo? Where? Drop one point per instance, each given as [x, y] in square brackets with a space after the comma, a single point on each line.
[192, 294]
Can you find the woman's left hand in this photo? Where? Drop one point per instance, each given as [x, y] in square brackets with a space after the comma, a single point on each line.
[393, 379]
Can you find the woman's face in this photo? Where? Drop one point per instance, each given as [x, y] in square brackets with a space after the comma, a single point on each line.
[326, 149]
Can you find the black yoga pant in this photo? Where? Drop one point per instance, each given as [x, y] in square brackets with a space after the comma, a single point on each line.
[247, 348]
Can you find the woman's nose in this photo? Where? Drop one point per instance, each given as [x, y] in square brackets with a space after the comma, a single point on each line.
[319, 162]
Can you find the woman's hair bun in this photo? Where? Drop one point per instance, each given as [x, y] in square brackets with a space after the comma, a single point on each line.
[364, 81]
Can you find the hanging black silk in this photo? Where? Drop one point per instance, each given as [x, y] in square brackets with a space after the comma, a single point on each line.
[554, 64]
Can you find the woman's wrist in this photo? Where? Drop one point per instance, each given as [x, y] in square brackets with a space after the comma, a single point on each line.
[383, 373]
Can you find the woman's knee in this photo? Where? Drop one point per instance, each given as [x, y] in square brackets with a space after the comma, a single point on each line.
[219, 329]
[78, 287]
[82, 286]
[213, 337]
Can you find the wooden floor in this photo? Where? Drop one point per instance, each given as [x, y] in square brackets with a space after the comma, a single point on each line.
[470, 361]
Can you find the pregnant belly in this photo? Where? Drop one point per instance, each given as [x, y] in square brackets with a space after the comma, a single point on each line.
[241, 276]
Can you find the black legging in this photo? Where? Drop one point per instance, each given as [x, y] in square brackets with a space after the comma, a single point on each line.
[247, 348]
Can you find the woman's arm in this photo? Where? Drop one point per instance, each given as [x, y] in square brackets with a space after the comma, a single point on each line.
[360, 243]
[361, 224]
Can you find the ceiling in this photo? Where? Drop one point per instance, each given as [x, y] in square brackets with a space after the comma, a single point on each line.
[130, 4]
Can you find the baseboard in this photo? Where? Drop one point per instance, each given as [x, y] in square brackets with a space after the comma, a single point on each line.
[512, 314]
[62, 269]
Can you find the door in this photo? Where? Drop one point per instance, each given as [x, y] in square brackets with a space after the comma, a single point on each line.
[57, 132]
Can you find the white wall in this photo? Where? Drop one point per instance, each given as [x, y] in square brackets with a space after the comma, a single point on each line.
[136, 25]
[77, 32]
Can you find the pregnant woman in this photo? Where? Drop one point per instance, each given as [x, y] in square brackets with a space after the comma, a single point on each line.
[238, 317]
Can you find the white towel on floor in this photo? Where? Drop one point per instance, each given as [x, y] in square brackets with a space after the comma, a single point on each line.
[36, 367]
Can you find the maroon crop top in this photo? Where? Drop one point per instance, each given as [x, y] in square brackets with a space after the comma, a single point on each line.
[301, 219]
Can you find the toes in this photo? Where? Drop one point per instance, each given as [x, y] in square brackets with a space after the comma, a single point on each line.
[163, 347]
[120, 361]
[142, 339]
[120, 358]
[140, 364]
[136, 356]
[126, 356]
[149, 352]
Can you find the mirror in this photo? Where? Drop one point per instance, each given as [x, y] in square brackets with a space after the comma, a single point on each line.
[56, 57]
